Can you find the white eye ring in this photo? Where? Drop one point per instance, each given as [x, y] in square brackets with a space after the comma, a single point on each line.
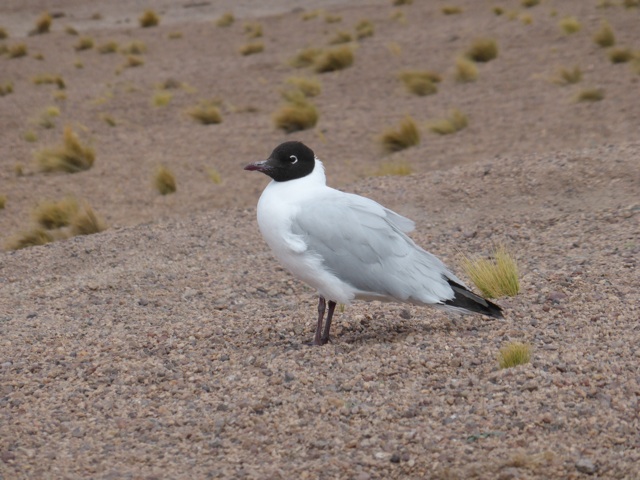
[294, 159]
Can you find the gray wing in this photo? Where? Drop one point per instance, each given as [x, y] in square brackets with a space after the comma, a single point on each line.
[364, 245]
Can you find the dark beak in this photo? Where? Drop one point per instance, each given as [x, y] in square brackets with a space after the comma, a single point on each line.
[259, 166]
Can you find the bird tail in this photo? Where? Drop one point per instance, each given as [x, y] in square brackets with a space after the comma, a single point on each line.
[466, 300]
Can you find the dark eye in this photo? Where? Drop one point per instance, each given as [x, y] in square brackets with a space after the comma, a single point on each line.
[294, 159]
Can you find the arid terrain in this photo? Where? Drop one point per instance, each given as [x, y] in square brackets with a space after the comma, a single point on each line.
[172, 344]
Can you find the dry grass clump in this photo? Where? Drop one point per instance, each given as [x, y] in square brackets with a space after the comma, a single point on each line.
[48, 79]
[31, 238]
[84, 43]
[72, 156]
[109, 47]
[305, 57]
[161, 98]
[529, 3]
[30, 136]
[164, 181]
[494, 278]
[401, 2]
[514, 354]
[3, 201]
[52, 215]
[136, 47]
[570, 25]
[17, 50]
[45, 119]
[605, 36]
[253, 30]
[449, 10]
[393, 169]
[109, 120]
[226, 20]
[334, 59]
[497, 11]
[297, 114]
[403, 136]
[364, 29]
[482, 50]
[133, 61]
[590, 95]
[214, 175]
[69, 30]
[251, 48]
[635, 65]
[466, 70]
[86, 222]
[455, 122]
[331, 18]
[206, 113]
[3, 33]
[340, 37]
[620, 55]
[313, 14]
[308, 86]
[174, 35]
[420, 82]
[6, 89]
[568, 76]
[149, 19]
[526, 19]
[43, 24]
[631, 3]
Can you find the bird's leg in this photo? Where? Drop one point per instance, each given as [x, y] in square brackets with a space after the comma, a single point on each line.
[327, 325]
[321, 306]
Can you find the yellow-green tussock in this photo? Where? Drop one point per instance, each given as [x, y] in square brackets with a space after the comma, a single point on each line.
[455, 122]
[310, 87]
[46, 78]
[589, 95]
[331, 18]
[206, 113]
[3, 201]
[86, 222]
[496, 277]
[6, 88]
[149, 19]
[364, 29]
[225, 20]
[482, 50]
[570, 25]
[251, 48]
[305, 57]
[420, 82]
[30, 238]
[620, 55]
[43, 23]
[466, 70]
[393, 169]
[605, 36]
[17, 50]
[71, 156]
[3, 33]
[334, 59]
[405, 135]
[109, 47]
[340, 37]
[568, 76]
[450, 10]
[51, 215]
[84, 43]
[296, 115]
[514, 354]
[253, 30]
[161, 98]
[136, 47]
[529, 3]
[214, 175]
[164, 181]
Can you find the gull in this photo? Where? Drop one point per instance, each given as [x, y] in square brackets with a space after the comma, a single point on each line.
[349, 247]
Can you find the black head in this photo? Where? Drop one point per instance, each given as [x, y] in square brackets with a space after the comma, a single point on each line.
[289, 160]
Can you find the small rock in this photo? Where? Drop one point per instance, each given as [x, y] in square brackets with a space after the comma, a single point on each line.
[586, 465]
[380, 455]
[395, 458]
[288, 377]
[405, 313]
[556, 297]
[6, 456]
[143, 302]
[32, 315]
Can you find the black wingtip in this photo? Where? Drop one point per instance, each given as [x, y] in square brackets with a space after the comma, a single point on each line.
[467, 300]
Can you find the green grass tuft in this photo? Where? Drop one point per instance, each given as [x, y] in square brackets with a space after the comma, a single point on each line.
[620, 55]
[298, 114]
[305, 57]
[420, 82]
[226, 20]
[514, 354]
[455, 122]
[401, 137]
[570, 25]
[590, 95]
[308, 86]
[252, 48]
[364, 29]
[466, 70]
[31, 238]
[43, 23]
[449, 10]
[494, 278]
[51, 215]
[69, 157]
[149, 19]
[164, 181]
[161, 98]
[84, 43]
[568, 76]
[482, 50]
[206, 113]
[17, 50]
[334, 59]
[605, 36]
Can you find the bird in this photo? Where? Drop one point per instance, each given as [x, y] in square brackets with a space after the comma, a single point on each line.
[349, 247]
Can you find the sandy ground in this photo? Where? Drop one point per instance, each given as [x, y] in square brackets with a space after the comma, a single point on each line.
[172, 344]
